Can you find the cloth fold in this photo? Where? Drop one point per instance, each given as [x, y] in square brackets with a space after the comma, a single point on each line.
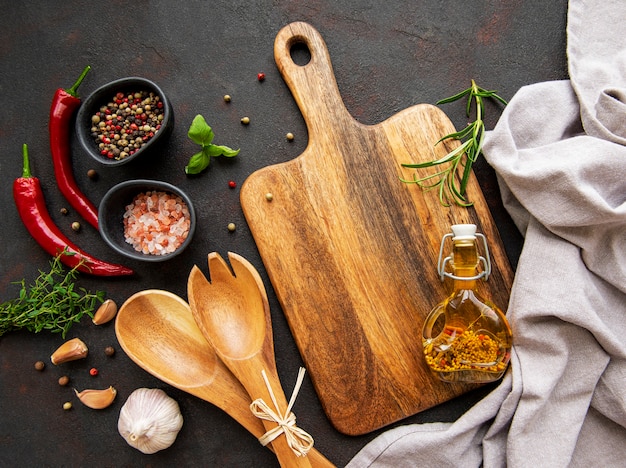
[559, 152]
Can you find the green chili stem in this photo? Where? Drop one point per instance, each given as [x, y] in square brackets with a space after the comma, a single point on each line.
[26, 165]
[73, 90]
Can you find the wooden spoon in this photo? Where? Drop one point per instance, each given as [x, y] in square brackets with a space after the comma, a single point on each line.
[233, 313]
[156, 329]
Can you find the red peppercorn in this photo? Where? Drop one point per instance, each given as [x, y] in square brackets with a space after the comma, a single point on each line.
[93, 371]
[232, 184]
[260, 76]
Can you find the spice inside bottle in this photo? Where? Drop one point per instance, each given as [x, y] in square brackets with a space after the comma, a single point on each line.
[466, 338]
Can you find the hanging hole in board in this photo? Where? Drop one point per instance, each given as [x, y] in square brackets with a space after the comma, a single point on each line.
[300, 53]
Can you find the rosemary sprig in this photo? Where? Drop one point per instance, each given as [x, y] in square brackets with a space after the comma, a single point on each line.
[462, 157]
[53, 302]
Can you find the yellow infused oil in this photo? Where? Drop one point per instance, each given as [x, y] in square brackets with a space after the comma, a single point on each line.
[466, 338]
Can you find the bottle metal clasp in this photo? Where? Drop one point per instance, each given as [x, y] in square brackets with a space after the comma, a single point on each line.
[485, 261]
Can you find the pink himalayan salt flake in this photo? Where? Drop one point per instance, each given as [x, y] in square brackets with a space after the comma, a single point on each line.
[156, 223]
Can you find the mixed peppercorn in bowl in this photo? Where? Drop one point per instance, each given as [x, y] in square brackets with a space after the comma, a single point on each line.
[124, 119]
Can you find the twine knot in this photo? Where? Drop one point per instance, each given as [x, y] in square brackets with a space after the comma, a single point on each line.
[298, 440]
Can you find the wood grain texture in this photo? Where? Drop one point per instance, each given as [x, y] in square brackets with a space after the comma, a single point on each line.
[351, 251]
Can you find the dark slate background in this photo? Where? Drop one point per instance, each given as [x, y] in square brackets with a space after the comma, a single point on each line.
[386, 56]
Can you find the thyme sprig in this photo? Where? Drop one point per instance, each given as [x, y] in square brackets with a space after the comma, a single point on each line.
[53, 302]
[462, 157]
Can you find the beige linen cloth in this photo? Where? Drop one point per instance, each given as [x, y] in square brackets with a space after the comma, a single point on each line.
[559, 151]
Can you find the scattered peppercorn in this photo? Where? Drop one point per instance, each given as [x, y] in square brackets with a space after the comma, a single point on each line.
[64, 211]
[92, 174]
[93, 371]
[269, 196]
[76, 226]
[290, 136]
[126, 123]
[232, 184]
[231, 227]
[64, 380]
[245, 120]
[227, 98]
[109, 351]
[67, 405]
[40, 365]
[260, 76]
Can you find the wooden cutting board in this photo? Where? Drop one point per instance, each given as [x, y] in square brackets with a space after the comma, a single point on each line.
[351, 251]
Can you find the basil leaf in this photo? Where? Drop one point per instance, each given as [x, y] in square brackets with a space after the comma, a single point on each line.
[226, 151]
[198, 163]
[200, 132]
[212, 150]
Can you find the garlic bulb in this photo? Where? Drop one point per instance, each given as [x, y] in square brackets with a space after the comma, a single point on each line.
[149, 420]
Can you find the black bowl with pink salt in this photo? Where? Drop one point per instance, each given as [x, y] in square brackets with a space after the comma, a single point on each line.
[147, 220]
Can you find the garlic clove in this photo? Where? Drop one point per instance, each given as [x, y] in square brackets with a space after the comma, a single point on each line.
[150, 420]
[97, 399]
[105, 313]
[71, 350]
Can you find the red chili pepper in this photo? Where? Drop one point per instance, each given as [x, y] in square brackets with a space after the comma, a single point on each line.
[65, 102]
[32, 209]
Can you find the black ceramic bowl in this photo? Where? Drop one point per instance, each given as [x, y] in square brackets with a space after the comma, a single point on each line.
[106, 94]
[111, 217]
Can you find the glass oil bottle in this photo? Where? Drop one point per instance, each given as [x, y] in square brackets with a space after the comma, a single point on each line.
[466, 338]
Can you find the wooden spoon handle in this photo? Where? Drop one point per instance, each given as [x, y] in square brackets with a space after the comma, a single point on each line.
[249, 374]
[242, 414]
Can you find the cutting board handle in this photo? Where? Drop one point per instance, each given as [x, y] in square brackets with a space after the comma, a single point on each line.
[313, 84]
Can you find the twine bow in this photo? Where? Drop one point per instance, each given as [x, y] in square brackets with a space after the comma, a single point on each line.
[298, 440]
